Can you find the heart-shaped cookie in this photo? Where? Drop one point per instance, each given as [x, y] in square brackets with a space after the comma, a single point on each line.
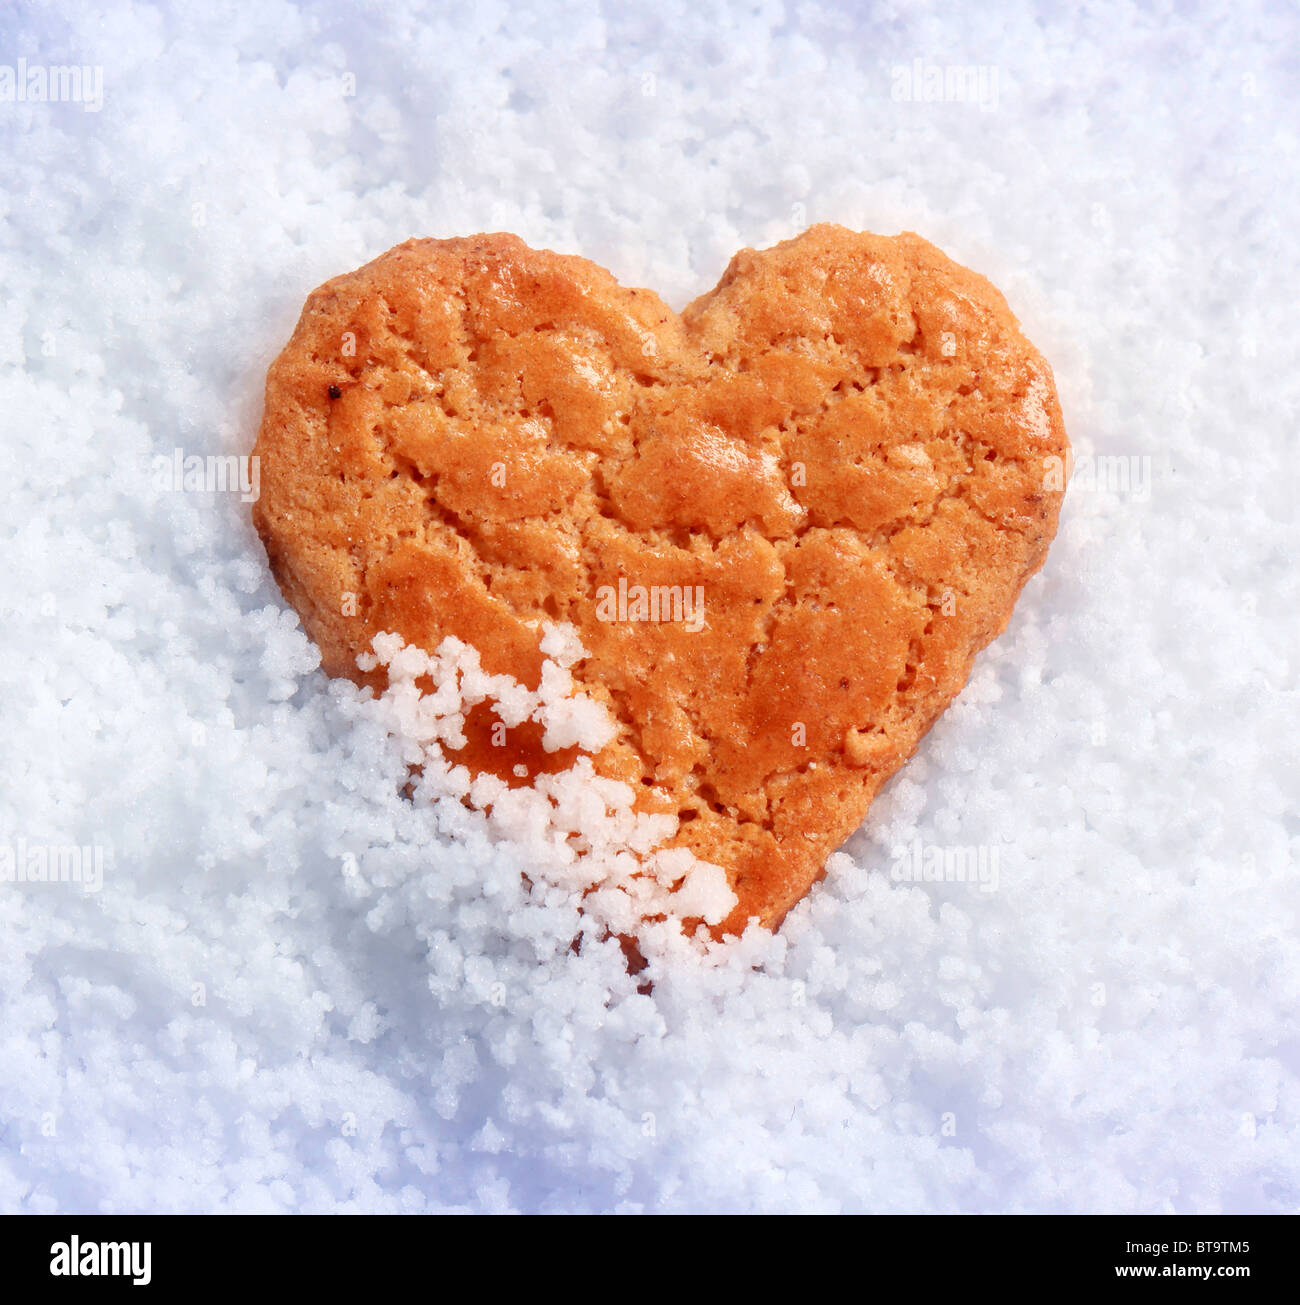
[782, 523]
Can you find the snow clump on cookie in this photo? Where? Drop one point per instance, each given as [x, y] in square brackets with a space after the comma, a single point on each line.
[577, 831]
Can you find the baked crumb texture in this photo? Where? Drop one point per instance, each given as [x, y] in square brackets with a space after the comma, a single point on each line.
[841, 449]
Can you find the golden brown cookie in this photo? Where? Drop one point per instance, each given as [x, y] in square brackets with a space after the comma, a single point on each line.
[782, 522]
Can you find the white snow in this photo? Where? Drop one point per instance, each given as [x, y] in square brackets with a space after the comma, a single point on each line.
[297, 990]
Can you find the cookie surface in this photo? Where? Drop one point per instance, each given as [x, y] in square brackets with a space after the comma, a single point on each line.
[782, 522]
